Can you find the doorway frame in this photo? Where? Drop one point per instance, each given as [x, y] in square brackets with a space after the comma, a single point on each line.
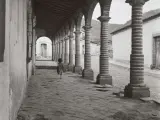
[153, 65]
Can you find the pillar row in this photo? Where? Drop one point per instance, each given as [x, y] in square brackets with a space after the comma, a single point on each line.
[136, 87]
[87, 72]
[55, 54]
[57, 50]
[71, 66]
[66, 54]
[34, 52]
[52, 51]
[77, 68]
[104, 77]
[66, 59]
[62, 42]
[60, 49]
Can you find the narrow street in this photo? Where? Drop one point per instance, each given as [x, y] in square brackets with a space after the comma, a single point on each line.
[74, 98]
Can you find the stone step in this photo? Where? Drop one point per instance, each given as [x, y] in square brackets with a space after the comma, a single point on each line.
[46, 67]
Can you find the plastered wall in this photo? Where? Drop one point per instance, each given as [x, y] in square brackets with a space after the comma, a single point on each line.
[122, 42]
[18, 38]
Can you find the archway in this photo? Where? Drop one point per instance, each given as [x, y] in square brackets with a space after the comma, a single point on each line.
[92, 26]
[44, 48]
[82, 41]
[95, 31]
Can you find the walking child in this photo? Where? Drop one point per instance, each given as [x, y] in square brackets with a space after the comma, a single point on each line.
[60, 67]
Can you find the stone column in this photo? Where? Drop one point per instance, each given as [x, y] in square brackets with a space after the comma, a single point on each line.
[71, 66]
[136, 87]
[77, 68]
[2, 29]
[29, 32]
[56, 51]
[87, 72]
[66, 55]
[52, 51]
[60, 49]
[62, 42]
[104, 77]
[34, 52]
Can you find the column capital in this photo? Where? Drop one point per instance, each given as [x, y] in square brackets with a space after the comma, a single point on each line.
[87, 27]
[30, 42]
[136, 2]
[77, 32]
[71, 36]
[66, 38]
[104, 18]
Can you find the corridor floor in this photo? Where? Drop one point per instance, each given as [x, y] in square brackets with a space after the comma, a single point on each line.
[74, 98]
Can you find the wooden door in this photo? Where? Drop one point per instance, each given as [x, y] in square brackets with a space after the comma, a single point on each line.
[157, 41]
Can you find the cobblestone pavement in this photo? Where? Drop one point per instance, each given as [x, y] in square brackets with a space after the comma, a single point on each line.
[121, 77]
[74, 98]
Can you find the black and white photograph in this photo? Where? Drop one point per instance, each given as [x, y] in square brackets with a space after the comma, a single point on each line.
[79, 59]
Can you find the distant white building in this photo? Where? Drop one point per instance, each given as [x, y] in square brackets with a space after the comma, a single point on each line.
[95, 47]
[44, 48]
[121, 40]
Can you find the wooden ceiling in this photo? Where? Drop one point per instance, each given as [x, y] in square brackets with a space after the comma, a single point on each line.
[52, 14]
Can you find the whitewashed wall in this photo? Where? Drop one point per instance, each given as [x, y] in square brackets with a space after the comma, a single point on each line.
[95, 49]
[13, 77]
[122, 42]
[82, 42]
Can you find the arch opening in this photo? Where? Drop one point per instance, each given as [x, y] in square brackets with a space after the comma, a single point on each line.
[95, 38]
[44, 48]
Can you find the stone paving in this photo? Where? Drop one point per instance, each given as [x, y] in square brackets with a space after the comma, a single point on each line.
[74, 98]
[121, 78]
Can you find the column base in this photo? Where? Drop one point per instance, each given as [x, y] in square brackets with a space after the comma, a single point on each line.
[70, 67]
[152, 66]
[65, 67]
[136, 92]
[62, 56]
[78, 69]
[1, 58]
[88, 74]
[104, 79]
[33, 70]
